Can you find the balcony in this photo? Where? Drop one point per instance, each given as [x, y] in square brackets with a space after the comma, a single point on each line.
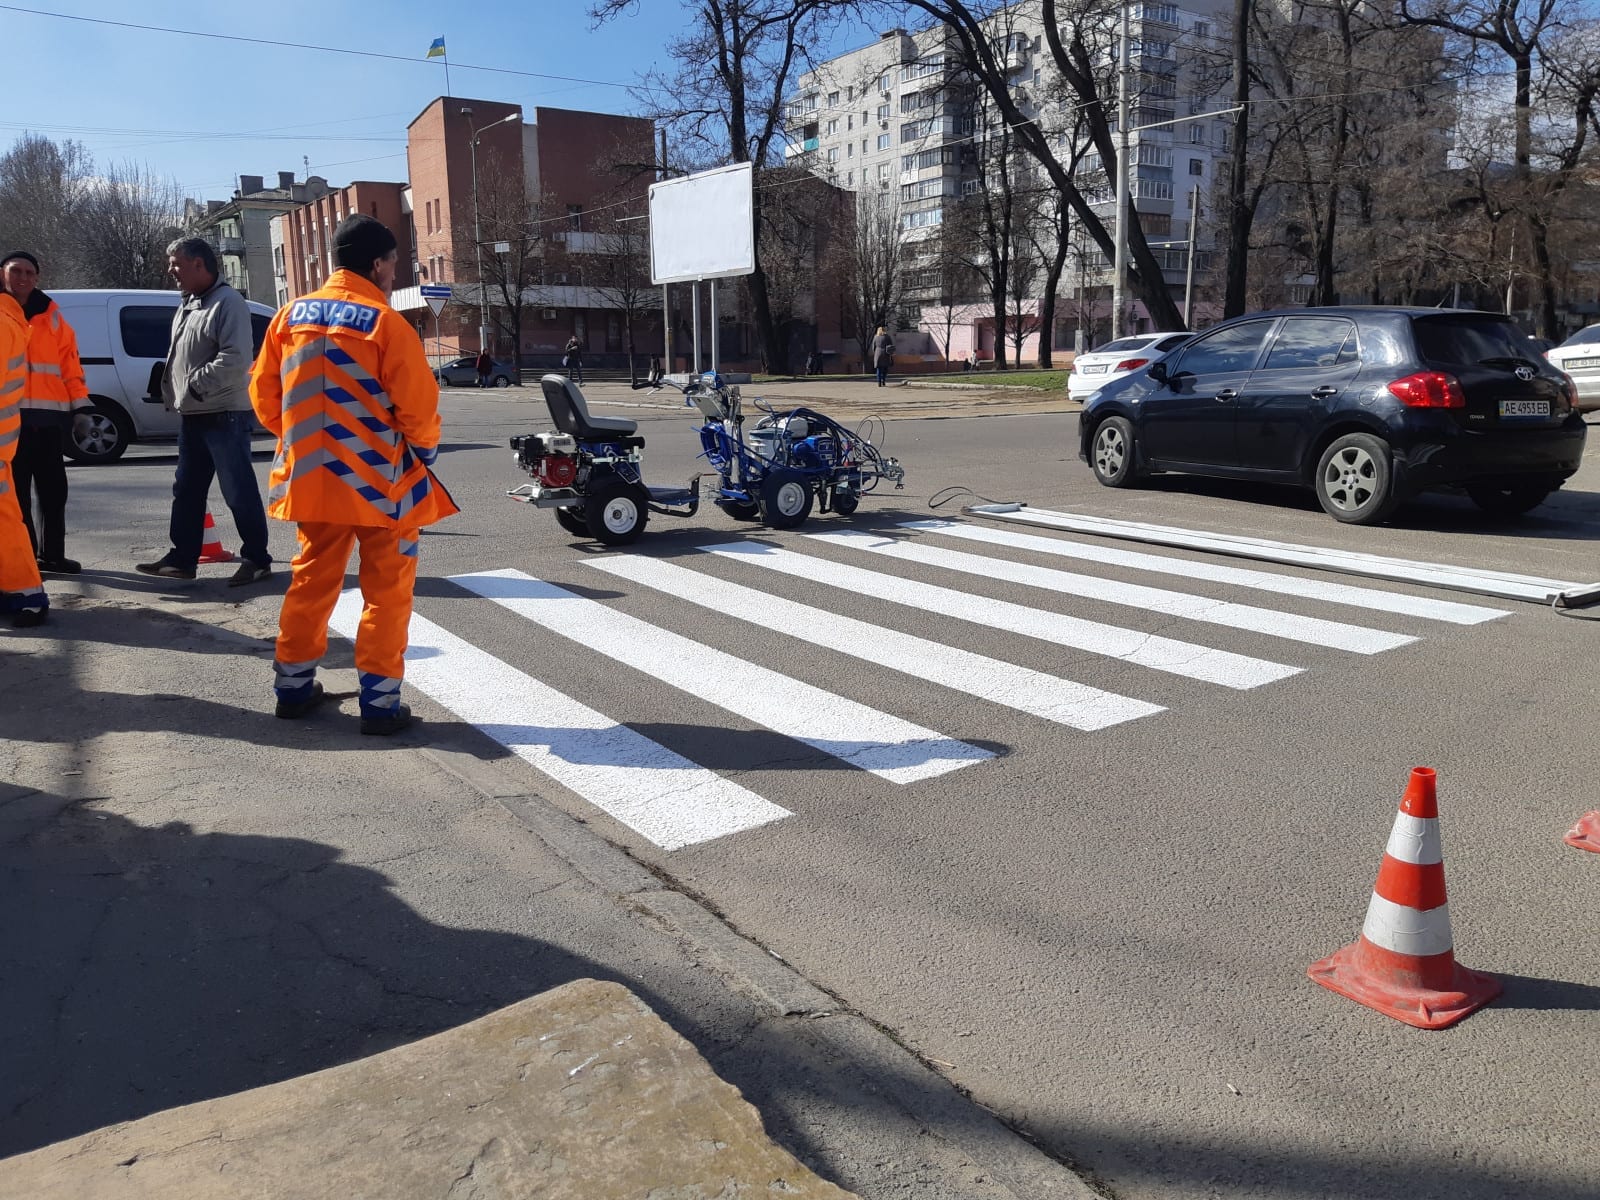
[228, 245]
[796, 149]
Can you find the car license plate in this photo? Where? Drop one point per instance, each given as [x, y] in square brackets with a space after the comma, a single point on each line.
[1580, 364]
[1524, 408]
[1100, 370]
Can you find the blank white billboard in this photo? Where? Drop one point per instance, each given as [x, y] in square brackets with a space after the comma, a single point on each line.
[703, 226]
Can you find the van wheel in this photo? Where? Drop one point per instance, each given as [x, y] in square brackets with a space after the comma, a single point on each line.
[101, 434]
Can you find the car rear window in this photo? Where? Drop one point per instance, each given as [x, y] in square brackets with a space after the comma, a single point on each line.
[1122, 346]
[1168, 345]
[1584, 337]
[1464, 339]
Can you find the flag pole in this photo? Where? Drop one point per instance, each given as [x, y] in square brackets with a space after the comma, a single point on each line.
[447, 71]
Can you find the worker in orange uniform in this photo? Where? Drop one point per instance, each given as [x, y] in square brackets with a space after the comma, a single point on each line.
[21, 590]
[343, 382]
[55, 387]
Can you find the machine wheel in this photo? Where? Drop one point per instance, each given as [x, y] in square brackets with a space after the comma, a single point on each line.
[1510, 500]
[741, 510]
[573, 520]
[101, 434]
[616, 513]
[1355, 480]
[845, 504]
[785, 498]
[1112, 453]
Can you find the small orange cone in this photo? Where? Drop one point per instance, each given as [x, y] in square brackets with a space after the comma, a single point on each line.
[1404, 963]
[1585, 835]
[211, 550]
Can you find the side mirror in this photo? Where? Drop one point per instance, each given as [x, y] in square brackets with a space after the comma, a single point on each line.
[1158, 372]
[153, 388]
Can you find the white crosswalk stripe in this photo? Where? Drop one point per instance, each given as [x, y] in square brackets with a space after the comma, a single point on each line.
[885, 745]
[1375, 599]
[1131, 645]
[1311, 630]
[1060, 700]
[659, 794]
[667, 797]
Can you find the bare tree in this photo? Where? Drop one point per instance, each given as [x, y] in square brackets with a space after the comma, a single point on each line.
[873, 257]
[512, 250]
[942, 265]
[621, 274]
[41, 189]
[125, 218]
[725, 100]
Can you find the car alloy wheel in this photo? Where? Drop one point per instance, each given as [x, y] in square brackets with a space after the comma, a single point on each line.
[1112, 451]
[1350, 477]
[1354, 480]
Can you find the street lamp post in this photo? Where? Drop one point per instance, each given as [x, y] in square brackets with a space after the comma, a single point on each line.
[1119, 253]
[477, 226]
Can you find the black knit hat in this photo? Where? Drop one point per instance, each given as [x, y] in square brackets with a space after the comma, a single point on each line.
[359, 241]
[20, 254]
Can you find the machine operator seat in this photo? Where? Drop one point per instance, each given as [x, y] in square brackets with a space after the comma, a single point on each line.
[571, 414]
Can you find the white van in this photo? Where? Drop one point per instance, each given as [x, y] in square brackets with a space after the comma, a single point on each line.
[122, 335]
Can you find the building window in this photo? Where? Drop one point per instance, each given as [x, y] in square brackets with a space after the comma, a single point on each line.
[833, 99]
[575, 211]
[849, 149]
[849, 178]
[833, 154]
[884, 82]
[833, 127]
[885, 140]
[1202, 30]
[1196, 167]
[883, 112]
[883, 172]
[1197, 135]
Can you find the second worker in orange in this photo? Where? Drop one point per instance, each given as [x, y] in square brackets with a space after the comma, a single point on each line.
[344, 383]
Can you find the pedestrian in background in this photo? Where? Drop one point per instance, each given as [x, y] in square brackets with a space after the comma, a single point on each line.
[55, 387]
[207, 383]
[344, 383]
[22, 594]
[485, 366]
[882, 354]
[572, 358]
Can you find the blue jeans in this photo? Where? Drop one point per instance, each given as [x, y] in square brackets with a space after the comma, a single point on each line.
[883, 373]
[216, 445]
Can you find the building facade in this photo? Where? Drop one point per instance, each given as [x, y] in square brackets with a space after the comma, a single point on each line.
[241, 229]
[306, 258]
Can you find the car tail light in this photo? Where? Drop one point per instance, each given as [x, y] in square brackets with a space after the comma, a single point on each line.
[558, 470]
[1130, 364]
[1429, 389]
[1570, 387]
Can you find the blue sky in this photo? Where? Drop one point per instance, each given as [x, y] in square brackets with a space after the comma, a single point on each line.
[203, 112]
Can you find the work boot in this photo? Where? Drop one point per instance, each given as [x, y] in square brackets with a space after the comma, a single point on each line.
[28, 618]
[249, 572]
[391, 721]
[164, 569]
[293, 710]
[60, 566]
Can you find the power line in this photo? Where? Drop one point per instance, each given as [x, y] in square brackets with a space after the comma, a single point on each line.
[234, 37]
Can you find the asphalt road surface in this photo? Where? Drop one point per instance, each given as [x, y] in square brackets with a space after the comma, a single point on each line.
[1071, 839]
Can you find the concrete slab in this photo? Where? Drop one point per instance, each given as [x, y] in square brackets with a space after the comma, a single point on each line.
[581, 1092]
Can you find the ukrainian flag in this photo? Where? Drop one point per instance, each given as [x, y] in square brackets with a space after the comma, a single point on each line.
[436, 50]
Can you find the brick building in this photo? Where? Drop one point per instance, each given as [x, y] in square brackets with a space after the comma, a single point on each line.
[304, 260]
[576, 171]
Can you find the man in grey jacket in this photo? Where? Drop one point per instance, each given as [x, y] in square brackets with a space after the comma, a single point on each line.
[207, 382]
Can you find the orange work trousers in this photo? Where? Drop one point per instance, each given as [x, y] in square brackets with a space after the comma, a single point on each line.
[388, 575]
[19, 570]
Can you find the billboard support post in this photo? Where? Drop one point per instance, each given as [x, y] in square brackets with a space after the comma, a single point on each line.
[702, 229]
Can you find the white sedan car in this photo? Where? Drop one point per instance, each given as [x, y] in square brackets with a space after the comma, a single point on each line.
[1092, 371]
[1579, 357]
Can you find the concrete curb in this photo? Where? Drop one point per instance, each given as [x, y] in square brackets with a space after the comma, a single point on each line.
[829, 1026]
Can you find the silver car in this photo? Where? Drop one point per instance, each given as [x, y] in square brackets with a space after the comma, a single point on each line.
[1113, 360]
[1579, 357]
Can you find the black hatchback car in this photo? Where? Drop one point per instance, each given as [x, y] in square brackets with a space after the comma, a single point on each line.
[1366, 405]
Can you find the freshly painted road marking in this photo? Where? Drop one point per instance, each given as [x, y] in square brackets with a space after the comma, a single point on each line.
[657, 793]
[1504, 584]
[1451, 611]
[885, 745]
[1060, 700]
[1130, 645]
[1312, 630]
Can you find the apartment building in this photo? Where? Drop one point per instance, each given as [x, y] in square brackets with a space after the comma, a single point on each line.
[241, 228]
[902, 113]
[304, 259]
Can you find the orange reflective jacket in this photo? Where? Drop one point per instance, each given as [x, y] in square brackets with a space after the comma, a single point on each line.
[55, 376]
[343, 381]
[13, 373]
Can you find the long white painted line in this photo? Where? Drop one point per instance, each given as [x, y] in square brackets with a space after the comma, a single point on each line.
[1145, 649]
[658, 794]
[1060, 700]
[1312, 630]
[1504, 584]
[885, 745]
[1262, 581]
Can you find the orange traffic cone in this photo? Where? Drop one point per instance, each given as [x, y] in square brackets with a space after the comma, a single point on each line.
[1404, 963]
[211, 550]
[1585, 835]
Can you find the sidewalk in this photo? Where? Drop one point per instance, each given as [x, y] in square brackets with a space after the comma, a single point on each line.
[202, 899]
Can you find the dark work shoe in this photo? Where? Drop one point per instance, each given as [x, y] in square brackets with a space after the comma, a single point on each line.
[60, 566]
[28, 618]
[249, 572]
[383, 726]
[164, 569]
[293, 710]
